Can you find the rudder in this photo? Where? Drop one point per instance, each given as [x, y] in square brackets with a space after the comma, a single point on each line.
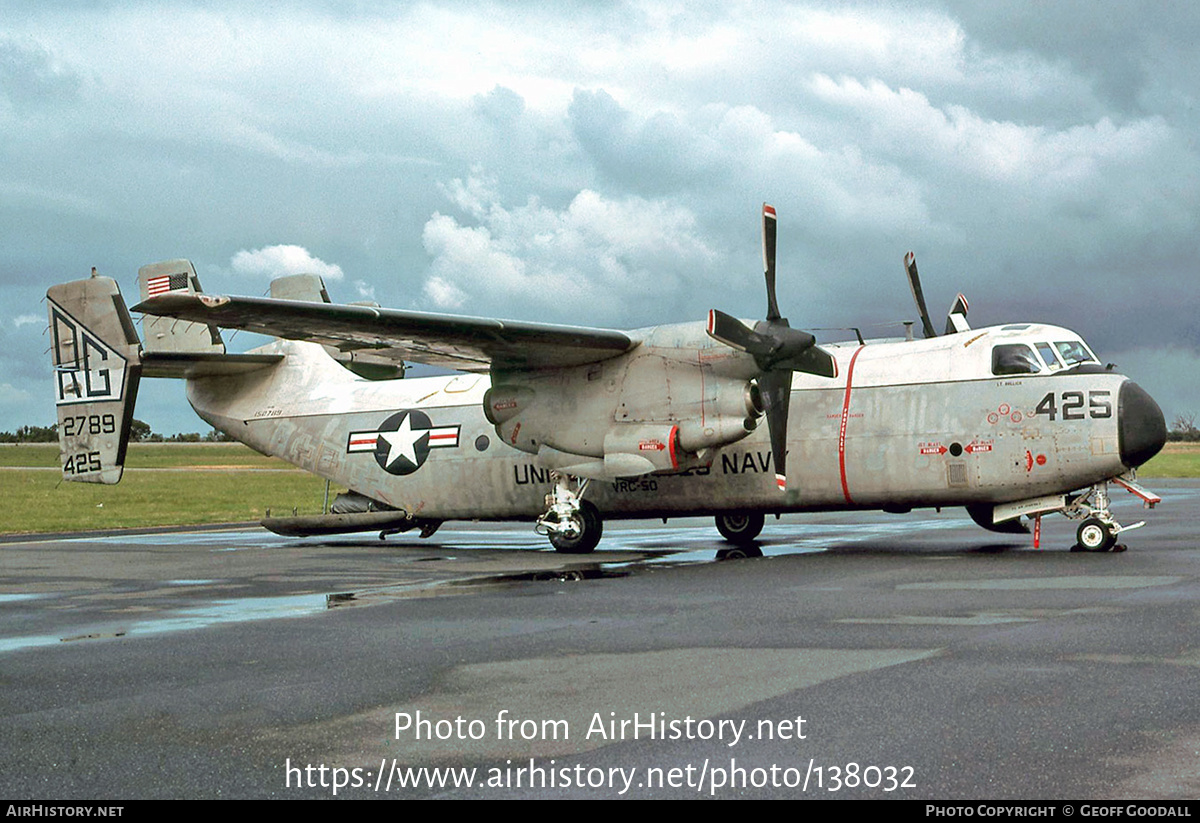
[166, 334]
[96, 356]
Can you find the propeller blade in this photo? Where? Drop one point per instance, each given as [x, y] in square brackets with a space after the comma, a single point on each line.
[956, 318]
[813, 360]
[914, 283]
[768, 244]
[774, 345]
[736, 334]
[778, 350]
[776, 388]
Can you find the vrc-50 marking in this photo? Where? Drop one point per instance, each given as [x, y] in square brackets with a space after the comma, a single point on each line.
[1010, 421]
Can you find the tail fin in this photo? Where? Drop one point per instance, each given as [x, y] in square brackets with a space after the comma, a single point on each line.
[95, 351]
[311, 288]
[166, 334]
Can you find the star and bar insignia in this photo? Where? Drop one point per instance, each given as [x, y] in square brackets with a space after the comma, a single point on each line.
[402, 442]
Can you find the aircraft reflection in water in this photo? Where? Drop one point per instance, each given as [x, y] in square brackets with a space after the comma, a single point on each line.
[570, 425]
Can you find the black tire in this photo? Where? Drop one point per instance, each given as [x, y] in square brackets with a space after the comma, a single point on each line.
[740, 528]
[591, 527]
[1094, 535]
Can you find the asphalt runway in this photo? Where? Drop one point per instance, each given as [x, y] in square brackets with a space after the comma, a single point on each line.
[863, 656]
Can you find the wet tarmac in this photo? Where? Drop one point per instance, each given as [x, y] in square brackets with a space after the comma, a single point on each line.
[926, 657]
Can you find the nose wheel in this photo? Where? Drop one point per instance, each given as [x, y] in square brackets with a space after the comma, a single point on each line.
[1094, 535]
[1099, 529]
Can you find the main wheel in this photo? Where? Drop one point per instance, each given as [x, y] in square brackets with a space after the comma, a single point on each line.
[1094, 535]
[590, 528]
[740, 528]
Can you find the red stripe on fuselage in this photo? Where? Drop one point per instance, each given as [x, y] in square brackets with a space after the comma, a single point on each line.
[842, 429]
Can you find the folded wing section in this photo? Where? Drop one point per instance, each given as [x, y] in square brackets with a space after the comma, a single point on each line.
[451, 341]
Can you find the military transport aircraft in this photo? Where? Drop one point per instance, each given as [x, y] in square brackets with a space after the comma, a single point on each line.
[567, 426]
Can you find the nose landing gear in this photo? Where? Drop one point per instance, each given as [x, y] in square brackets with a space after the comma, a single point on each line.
[1094, 535]
[1099, 530]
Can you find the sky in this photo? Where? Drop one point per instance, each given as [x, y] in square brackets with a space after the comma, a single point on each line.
[604, 164]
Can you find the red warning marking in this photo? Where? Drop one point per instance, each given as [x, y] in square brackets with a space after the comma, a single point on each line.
[978, 447]
[1004, 410]
[933, 448]
[1028, 461]
[1149, 497]
[842, 430]
[1041, 459]
[651, 445]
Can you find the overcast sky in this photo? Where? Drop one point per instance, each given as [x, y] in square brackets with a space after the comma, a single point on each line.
[604, 164]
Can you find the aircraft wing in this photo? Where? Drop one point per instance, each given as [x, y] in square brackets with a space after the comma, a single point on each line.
[463, 343]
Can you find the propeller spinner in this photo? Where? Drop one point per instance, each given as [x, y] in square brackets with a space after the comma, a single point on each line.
[778, 350]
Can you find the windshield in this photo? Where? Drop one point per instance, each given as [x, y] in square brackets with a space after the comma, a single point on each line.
[1073, 352]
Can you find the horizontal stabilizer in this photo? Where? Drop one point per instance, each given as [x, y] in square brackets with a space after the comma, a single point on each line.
[200, 364]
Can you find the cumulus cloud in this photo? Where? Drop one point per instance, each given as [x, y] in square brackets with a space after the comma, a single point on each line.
[364, 290]
[592, 258]
[1040, 157]
[276, 261]
[12, 396]
[31, 77]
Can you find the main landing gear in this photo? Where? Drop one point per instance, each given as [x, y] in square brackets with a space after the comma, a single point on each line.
[573, 524]
[740, 528]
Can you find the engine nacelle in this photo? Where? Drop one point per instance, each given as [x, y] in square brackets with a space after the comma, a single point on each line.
[622, 419]
[657, 443]
[731, 414]
[503, 403]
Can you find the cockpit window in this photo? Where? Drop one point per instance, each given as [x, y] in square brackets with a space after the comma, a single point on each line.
[1047, 353]
[1014, 358]
[1074, 352]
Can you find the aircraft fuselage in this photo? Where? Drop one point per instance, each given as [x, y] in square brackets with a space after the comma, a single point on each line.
[904, 424]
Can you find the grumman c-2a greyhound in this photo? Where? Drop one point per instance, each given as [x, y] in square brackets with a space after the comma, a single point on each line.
[571, 425]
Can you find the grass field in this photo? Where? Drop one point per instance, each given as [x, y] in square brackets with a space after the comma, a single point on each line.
[151, 456]
[165, 484]
[168, 484]
[1175, 460]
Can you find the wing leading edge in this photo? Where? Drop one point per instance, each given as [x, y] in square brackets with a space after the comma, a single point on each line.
[464, 343]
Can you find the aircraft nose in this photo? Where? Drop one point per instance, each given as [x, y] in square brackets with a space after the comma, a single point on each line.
[1141, 426]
